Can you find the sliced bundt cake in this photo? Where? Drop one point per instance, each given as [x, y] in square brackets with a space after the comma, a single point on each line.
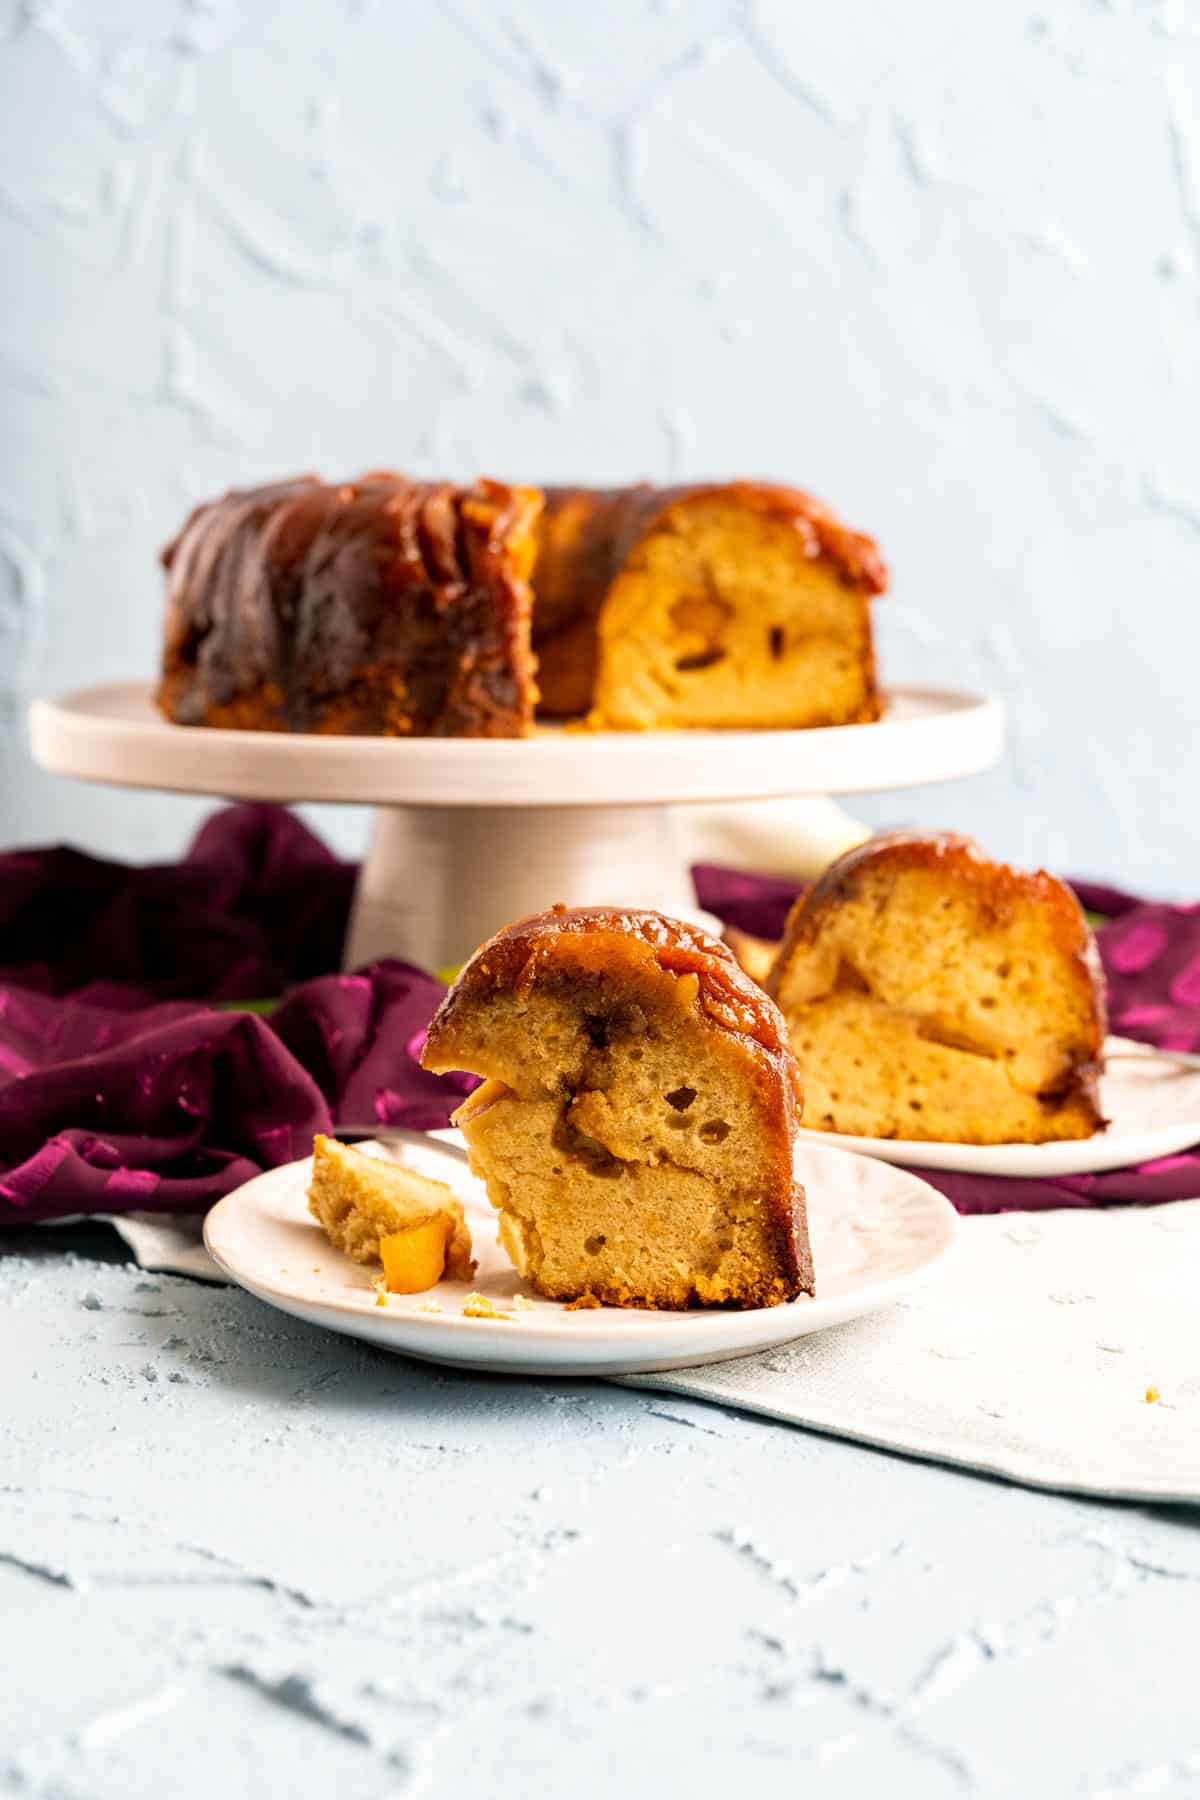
[399, 608]
[932, 993]
[636, 1123]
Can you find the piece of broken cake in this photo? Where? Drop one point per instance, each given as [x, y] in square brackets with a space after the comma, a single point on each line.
[378, 1211]
[636, 1123]
[934, 994]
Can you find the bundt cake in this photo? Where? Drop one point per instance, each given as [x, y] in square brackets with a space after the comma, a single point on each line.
[381, 606]
[392, 607]
[740, 604]
[364, 1204]
[636, 1123]
[931, 993]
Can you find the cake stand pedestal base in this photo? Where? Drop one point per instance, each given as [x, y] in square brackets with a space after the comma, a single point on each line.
[438, 880]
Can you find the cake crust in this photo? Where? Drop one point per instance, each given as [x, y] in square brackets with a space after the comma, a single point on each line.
[564, 1015]
[1037, 1013]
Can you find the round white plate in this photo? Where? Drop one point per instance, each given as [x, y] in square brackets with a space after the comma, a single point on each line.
[1153, 1109]
[115, 734]
[876, 1232]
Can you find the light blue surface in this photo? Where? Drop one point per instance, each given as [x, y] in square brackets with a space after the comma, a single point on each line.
[939, 263]
[242, 1557]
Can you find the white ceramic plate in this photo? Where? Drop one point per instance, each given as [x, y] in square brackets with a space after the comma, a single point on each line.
[1153, 1109]
[876, 1232]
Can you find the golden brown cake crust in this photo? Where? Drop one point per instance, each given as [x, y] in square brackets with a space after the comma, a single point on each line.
[612, 951]
[962, 857]
[1000, 886]
[586, 536]
[620, 940]
[380, 606]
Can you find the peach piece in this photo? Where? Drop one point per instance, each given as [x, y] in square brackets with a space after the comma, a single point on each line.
[415, 1259]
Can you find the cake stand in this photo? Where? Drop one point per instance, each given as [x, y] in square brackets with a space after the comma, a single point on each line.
[470, 833]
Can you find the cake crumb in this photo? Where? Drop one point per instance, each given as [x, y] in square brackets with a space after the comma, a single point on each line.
[1152, 1394]
[430, 1306]
[522, 1304]
[478, 1306]
[584, 1303]
[381, 1291]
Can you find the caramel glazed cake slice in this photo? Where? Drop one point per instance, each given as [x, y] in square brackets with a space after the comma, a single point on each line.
[636, 1123]
[934, 994]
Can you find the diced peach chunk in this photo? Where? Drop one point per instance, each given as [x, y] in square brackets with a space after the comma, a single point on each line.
[415, 1259]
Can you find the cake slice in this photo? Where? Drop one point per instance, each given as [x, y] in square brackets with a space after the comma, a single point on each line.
[735, 604]
[361, 1202]
[382, 607]
[636, 1122]
[931, 993]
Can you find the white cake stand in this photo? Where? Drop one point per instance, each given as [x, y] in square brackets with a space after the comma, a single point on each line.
[470, 833]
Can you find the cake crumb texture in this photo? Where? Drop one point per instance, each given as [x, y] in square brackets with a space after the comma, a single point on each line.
[738, 604]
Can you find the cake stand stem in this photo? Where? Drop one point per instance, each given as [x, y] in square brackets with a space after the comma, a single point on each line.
[438, 880]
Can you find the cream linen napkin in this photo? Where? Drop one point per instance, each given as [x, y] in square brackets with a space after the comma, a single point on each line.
[1059, 1349]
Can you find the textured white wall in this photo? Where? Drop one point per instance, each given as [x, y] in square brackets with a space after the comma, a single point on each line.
[939, 262]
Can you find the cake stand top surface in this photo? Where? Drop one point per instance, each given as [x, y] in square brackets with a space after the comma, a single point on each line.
[114, 734]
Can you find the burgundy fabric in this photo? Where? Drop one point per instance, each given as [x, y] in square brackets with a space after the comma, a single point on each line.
[758, 904]
[116, 1097]
[258, 902]
[127, 1084]
[156, 1108]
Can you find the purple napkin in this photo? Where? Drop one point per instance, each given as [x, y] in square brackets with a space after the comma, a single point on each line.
[119, 1094]
[258, 902]
[115, 1097]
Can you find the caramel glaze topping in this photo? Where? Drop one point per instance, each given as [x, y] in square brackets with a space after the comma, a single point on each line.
[1000, 884]
[377, 605]
[586, 535]
[619, 942]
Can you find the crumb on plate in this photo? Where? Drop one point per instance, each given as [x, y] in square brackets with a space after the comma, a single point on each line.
[478, 1306]
[584, 1303]
[1152, 1394]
